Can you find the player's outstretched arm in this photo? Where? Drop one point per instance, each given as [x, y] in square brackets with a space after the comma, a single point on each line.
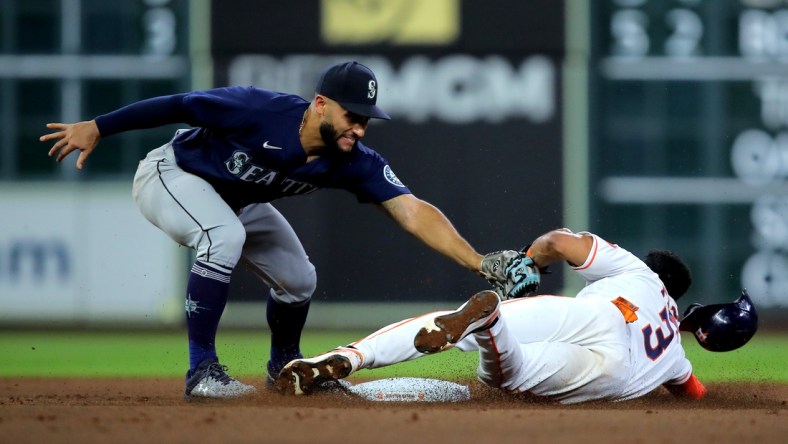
[82, 136]
[561, 245]
[432, 227]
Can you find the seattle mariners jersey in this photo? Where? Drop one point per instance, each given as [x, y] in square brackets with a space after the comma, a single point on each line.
[246, 144]
[656, 354]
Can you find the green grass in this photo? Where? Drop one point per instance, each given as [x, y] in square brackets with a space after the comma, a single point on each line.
[164, 354]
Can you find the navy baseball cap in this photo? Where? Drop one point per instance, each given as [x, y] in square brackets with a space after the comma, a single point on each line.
[353, 86]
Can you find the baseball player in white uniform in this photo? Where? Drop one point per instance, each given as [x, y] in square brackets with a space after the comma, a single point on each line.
[617, 339]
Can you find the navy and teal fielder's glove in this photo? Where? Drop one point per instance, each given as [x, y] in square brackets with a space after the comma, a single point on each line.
[511, 273]
[523, 278]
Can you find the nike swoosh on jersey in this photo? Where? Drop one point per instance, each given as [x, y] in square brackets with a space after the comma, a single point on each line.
[271, 147]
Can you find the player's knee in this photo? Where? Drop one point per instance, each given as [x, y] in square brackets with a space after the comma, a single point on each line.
[222, 245]
[613, 371]
[297, 289]
[233, 239]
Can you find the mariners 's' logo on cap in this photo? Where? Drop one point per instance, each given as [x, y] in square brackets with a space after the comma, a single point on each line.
[372, 89]
[391, 177]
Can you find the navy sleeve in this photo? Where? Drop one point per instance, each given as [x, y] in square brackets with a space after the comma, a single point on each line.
[228, 108]
[149, 113]
[375, 181]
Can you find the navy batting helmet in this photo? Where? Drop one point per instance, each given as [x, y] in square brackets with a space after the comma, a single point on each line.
[722, 327]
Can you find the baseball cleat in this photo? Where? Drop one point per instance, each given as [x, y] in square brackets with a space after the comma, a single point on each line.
[303, 376]
[275, 367]
[442, 332]
[210, 380]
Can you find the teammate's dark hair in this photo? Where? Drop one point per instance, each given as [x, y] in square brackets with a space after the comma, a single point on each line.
[673, 272]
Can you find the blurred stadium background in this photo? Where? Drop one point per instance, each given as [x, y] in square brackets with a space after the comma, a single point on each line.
[652, 123]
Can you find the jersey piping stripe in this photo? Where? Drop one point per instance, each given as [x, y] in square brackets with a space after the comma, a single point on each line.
[355, 352]
[207, 233]
[680, 380]
[500, 377]
[594, 249]
[398, 324]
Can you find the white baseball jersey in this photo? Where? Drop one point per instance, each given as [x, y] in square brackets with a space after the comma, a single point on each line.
[656, 355]
[571, 349]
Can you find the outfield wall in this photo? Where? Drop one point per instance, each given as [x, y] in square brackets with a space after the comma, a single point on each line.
[77, 254]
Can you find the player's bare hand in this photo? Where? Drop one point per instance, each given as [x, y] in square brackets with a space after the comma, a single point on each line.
[82, 136]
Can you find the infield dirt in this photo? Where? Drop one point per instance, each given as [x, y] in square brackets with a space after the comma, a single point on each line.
[37, 410]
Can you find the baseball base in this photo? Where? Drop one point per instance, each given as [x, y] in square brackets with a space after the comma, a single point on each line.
[411, 390]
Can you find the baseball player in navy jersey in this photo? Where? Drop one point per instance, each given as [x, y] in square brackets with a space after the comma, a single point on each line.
[617, 339]
[210, 188]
